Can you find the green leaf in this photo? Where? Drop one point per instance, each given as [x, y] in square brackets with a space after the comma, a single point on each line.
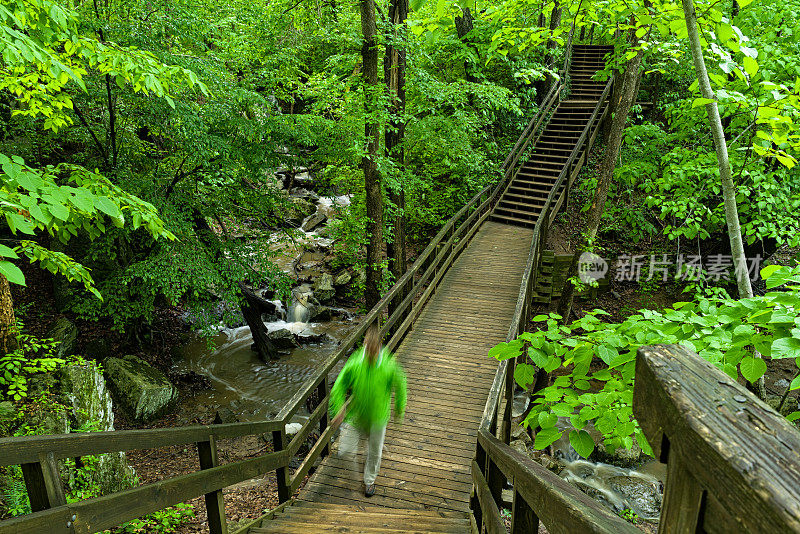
[525, 375]
[503, 351]
[8, 252]
[785, 347]
[750, 65]
[606, 353]
[545, 437]
[12, 273]
[702, 102]
[752, 368]
[794, 416]
[795, 383]
[582, 442]
[108, 207]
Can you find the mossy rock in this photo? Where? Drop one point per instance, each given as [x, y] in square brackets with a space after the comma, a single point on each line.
[323, 288]
[143, 391]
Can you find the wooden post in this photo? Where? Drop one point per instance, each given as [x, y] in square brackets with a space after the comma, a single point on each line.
[43, 482]
[496, 480]
[505, 426]
[215, 503]
[278, 444]
[322, 392]
[523, 519]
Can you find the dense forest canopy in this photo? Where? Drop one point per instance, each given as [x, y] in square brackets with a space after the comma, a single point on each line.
[148, 147]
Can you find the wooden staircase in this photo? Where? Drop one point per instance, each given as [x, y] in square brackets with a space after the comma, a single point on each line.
[525, 196]
[311, 518]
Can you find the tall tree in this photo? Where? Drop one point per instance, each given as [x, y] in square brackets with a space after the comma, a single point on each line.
[394, 66]
[369, 163]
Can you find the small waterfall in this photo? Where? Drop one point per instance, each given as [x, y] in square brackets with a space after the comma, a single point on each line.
[299, 309]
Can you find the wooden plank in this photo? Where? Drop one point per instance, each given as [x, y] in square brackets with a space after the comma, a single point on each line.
[215, 505]
[489, 511]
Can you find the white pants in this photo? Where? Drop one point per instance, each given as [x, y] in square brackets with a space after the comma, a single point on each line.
[348, 443]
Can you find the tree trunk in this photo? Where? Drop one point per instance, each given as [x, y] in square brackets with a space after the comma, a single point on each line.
[624, 96]
[543, 86]
[372, 182]
[464, 25]
[8, 320]
[394, 66]
[728, 187]
[252, 309]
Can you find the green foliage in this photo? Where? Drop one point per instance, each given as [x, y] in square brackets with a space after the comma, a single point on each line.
[32, 355]
[162, 521]
[726, 332]
[629, 515]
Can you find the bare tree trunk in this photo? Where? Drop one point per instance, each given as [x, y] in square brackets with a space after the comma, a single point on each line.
[8, 320]
[624, 96]
[728, 187]
[394, 66]
[252, 308]
[372, 181]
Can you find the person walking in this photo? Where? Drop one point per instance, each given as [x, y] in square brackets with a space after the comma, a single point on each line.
[370, 375]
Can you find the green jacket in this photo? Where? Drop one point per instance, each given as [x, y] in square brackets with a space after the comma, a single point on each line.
[370, 389]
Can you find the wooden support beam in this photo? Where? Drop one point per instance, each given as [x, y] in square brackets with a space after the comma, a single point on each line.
[215, 504]
[43, 482]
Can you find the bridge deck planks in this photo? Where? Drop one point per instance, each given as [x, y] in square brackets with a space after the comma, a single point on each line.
[426, 459]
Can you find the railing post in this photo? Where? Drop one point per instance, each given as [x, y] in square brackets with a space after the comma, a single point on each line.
[215, 504]
[505, 425]
[278, 444]
[523, 519]
[43, 482]
[322, 393]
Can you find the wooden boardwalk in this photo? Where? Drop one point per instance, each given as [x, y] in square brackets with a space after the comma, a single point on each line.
[426, 459]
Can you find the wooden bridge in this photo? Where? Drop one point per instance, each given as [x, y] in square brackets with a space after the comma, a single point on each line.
[444, 468]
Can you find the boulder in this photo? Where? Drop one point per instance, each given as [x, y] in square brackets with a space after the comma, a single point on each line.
[520, 446]
[66, 333]
[41, 383]
[300, 192]
[791, 404]
[632, 457]
[84, 389]
[313, 220]
[342, 279]
[323, 288]
[293, 428]
[141, 389]
[520, 433]
[642, 495]
[302, 208]
[282, 339]
[319, 313]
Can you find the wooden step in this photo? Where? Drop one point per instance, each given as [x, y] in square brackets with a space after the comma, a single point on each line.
[513, 221]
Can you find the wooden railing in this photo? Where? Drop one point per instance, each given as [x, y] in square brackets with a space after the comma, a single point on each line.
[493, 460]
[733, 463]
[38, 454]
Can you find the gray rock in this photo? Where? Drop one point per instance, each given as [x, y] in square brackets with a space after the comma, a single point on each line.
[342, 279]
[226, 415]
[319, 313]
[66, 333]
[520, 446]
[282, 339]
[643, 496]
[519, 432]
[313, 220]
[142, 390]
[300, 192]
[323, 288]
[293, 428]
[620, 457]
[53, 418]
[301, 209]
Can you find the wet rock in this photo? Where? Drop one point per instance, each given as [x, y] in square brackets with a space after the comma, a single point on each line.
[300, 192]
[309, 336]
[520, 433]
[84, 389]
[520, 446]
[642, 495]
[319, 313]
[143, 391]
[66, 333]
[191, 380]
[282, 339]
[313, 220]
[323, 288]
[342, 279]
[620, 457]
[300, 209]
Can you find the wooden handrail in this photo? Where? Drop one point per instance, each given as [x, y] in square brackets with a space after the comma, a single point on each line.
[569, 510]
[732, 461]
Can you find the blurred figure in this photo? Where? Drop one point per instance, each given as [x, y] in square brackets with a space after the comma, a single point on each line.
[369, 376]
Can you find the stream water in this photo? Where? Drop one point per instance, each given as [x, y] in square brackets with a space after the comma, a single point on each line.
[242, 384]
[638, 489]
